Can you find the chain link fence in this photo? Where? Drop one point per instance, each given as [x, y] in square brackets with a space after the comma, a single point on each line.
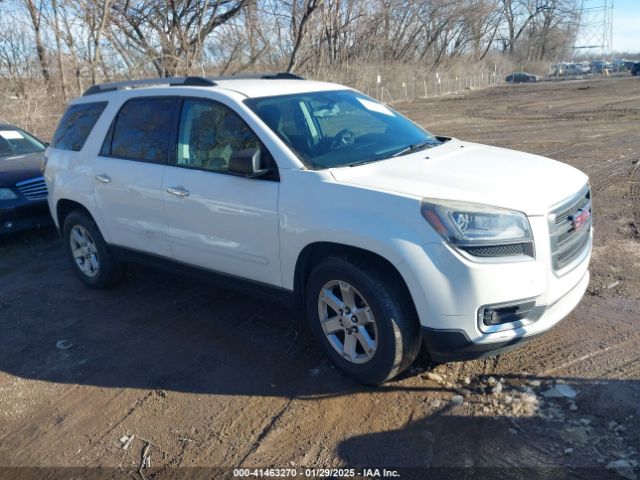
[407, 86]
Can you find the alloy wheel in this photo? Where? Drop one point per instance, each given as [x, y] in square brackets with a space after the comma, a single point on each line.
[347, 321]
[84, 251]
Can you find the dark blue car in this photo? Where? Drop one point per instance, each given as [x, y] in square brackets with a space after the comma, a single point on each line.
[23, 193]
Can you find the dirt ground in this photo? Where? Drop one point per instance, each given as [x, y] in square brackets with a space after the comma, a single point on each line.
[214, 378]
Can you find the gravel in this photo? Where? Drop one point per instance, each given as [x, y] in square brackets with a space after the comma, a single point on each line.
[434, 376]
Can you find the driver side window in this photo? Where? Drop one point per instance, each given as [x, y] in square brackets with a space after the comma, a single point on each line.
[210, 133]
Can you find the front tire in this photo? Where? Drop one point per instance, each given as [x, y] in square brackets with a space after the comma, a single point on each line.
[363, 319]
[88, 252]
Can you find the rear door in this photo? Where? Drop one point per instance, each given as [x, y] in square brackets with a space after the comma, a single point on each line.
[128, 174]
[216, 220]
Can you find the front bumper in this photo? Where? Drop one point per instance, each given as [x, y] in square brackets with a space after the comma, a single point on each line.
[454, 345]
[449, 292]
[22, 214]
[449, 345]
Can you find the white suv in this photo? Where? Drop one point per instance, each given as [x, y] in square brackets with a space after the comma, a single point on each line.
[319, 195]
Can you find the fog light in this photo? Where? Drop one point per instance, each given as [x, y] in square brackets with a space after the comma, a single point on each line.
[499, 314]
[9, 225]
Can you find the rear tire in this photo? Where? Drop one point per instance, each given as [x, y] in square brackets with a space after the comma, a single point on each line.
[88, 252]
[363, 319]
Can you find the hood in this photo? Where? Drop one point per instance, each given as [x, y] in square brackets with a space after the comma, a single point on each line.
[20, 167]
[473, 173]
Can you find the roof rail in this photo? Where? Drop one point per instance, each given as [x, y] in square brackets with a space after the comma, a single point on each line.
[282, 76]
[260, 76]
[173, 81]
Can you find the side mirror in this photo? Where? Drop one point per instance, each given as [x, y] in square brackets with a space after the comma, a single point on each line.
[247, 162]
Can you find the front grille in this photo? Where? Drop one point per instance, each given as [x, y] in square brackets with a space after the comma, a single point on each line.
[568, 237]
[34, 189]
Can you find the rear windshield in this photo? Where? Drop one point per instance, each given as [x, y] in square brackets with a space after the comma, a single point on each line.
[76, 125]
[339, 128]
[18, 142]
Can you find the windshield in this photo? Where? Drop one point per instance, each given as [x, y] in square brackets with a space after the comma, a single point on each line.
[17, 142]
[340, 128]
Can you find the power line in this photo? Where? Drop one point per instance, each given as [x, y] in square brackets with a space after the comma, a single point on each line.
[595, 29]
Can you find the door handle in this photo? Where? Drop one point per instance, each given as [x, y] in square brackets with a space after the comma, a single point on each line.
[104, 178]
[178, 191]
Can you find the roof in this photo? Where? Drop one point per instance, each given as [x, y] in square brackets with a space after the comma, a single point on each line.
[267, 88]
[248, 86]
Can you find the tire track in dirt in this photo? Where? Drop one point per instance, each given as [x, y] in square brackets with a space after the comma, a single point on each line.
[611, 172]
[599, 361]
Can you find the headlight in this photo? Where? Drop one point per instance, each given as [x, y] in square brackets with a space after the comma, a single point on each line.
[480, 230]
[7, 194]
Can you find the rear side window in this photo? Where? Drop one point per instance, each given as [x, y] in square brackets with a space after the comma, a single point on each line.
[142, 130]
[76, 125]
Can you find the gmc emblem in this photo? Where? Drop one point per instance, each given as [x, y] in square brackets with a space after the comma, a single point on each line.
[580, 218]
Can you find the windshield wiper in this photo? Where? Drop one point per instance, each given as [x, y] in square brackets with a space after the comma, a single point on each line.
[364, 162]
[414, 147]
[410, 148]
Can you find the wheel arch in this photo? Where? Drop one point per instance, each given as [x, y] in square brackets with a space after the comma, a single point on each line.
[313, 253]
[65, 206]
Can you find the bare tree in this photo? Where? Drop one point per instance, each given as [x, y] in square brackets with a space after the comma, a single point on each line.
[171, 34]
[35, 14]
[75, 42]
[301, 11]
[96, 15]
[57, 32]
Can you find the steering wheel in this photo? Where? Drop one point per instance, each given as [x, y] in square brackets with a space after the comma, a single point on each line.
[343, 138]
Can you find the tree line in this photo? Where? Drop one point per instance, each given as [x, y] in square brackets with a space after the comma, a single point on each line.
[70, 44]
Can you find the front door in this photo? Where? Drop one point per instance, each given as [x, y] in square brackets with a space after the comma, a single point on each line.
[216, 220]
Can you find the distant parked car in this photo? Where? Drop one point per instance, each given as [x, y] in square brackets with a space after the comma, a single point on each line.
[23, 193]
[618, 65]
[600, 66]
[520, 77]
[584, 67]
[628, 65]
[557, 69]
[635, 70]
[575, 69]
